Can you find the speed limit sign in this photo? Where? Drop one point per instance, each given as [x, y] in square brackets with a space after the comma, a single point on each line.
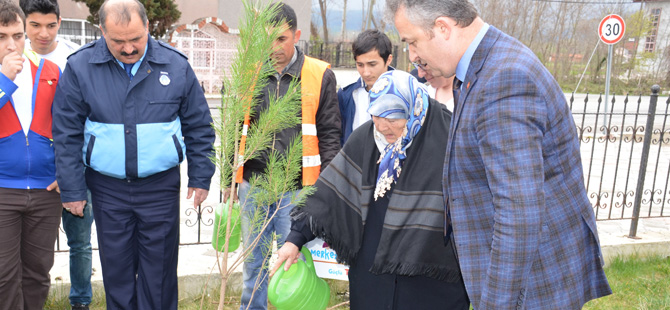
[611, 29]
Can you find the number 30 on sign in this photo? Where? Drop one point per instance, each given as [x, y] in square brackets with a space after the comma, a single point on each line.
[612, 29]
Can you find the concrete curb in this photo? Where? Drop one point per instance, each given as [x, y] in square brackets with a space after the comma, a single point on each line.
[640, 249]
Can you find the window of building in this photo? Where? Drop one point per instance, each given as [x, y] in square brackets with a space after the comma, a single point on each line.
[200, 49]
[650, 43]
[78, 31]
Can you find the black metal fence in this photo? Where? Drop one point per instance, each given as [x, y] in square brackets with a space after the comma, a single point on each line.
[625, 146]
[340, 55]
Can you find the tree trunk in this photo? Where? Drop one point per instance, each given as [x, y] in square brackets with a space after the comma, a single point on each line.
[323, 5]
[539, 10]
[572, 46]
[363, 16]
[559, 38]
[344, 22]
[371, 16]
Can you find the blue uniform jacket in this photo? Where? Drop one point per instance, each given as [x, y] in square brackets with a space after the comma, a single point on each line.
[125, 128]
[348, 107]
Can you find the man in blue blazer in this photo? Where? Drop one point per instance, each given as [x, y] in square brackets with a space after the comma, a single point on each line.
[522, 223]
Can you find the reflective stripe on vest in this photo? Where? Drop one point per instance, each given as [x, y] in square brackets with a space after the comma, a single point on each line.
[311, 78]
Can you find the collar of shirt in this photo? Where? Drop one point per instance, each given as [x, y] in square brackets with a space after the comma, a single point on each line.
[136, 66]
[361, 84]
[290, 64]
[464, 63]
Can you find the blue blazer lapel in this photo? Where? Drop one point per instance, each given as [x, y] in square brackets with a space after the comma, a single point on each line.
[476, 64]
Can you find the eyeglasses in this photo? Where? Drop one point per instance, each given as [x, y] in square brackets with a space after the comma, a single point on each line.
[419, 66]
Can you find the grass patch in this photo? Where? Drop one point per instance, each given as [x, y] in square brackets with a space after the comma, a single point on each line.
[59, 292]
[58, 295]
[637, 282]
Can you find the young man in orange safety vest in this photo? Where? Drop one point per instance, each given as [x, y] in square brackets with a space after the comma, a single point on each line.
[320, 131]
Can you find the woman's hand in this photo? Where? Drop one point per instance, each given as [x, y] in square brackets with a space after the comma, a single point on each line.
[226, 195]
[288, 253]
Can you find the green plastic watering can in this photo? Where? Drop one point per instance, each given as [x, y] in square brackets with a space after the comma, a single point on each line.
[299, 288]
[220, 222]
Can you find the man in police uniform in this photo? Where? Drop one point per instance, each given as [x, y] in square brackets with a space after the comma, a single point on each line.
[135, 108]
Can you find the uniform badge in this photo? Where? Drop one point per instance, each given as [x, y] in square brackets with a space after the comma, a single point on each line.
[164, 79]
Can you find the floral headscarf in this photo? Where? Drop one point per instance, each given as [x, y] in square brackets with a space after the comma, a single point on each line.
[397, 95]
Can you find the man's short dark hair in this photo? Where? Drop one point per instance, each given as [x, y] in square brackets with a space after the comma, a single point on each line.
[370, 40]
[8, 12]
[40, 6]
[286, 14]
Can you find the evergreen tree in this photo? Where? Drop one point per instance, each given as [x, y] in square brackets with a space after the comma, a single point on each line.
[249, 73]
[161, 14]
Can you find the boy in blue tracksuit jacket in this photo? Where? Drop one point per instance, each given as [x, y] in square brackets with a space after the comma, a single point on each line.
[130, 109]
[372, 53]
[29, 202]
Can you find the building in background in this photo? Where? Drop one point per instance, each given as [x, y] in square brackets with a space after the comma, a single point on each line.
[659, 13]
[657, 41]
[74, 26]
[209, 41]
[210, 47]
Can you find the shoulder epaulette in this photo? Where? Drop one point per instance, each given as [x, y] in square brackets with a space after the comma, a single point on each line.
[170, 47]
[87, 46]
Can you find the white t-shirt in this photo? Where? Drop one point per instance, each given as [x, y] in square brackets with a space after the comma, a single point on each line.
[22, 97]
[59, 55]
[362, 101]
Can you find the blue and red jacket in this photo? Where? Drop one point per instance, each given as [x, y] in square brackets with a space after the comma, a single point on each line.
[27, 160]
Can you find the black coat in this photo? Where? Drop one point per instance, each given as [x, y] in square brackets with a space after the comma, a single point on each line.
[328, 124]
[401, 267]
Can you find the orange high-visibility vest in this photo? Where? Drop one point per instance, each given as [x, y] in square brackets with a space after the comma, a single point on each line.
[311, 78]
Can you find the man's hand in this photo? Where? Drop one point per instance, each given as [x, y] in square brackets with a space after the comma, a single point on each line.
[75, 207]
[53, 186]
[200, 195]
[12, 64]
[226, 195]
[289, 252]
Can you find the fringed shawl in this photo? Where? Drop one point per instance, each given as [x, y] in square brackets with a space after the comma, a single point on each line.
[412, 239]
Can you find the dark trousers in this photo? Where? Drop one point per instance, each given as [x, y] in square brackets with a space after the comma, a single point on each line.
[29, 220]
[137, 223]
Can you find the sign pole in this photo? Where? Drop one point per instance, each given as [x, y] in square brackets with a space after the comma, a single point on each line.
[610, 31]
[607, 83]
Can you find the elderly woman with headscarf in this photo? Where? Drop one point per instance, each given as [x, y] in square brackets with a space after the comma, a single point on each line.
[379, 205]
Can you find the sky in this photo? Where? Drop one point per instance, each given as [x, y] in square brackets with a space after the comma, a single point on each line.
[355, 5]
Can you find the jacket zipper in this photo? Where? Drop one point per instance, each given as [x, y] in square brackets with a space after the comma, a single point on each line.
[28, 153]
[274, 136]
